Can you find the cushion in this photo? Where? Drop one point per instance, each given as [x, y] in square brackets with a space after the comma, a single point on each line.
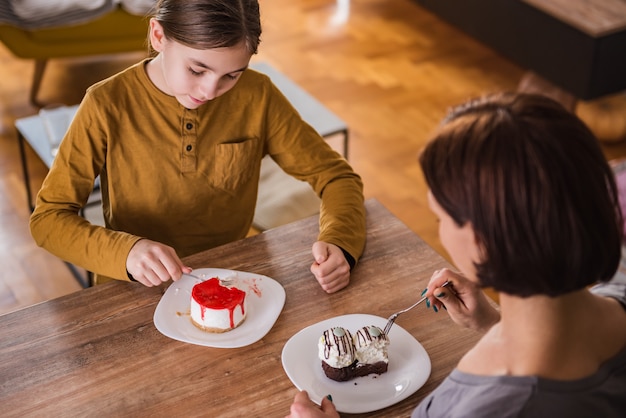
[36, 9]
[37, 14]
[138, 7]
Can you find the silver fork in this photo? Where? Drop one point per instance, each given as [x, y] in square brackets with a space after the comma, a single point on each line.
[224, 282]
[393, 317]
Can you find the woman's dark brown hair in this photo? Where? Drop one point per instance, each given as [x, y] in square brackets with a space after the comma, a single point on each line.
[532, 180]
[207, 24]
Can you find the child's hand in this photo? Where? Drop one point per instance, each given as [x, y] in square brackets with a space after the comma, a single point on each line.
[152, 263]
[331, 269]
[303, 407]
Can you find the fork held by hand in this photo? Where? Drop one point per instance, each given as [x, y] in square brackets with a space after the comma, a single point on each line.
[227, 281]
[393, 317]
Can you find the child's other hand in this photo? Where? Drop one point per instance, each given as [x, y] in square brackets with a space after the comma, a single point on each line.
[330, 268]
[152, 263]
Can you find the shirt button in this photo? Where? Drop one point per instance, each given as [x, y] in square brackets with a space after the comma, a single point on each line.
[189, 147]
[189, 125]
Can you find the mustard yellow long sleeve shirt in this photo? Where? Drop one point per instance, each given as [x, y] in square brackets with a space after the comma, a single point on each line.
[185, 178]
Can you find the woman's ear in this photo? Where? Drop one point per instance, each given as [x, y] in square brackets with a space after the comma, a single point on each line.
[157, 36]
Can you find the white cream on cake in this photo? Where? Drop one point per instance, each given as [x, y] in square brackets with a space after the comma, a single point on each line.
[371, 344]
[345, 357]
[217, 308]
[335, 347]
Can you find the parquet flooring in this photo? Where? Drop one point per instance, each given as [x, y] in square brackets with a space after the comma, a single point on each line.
[389, 68]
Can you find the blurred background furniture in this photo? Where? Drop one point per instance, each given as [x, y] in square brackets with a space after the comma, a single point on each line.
[574, 49]
[108, 29]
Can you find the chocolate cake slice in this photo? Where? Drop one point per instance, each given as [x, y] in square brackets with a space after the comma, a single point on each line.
[345, 357]
[371, 344]
[336, 350]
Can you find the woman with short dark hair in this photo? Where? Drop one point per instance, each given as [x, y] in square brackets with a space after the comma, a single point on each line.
[527, 205]
[535, 186]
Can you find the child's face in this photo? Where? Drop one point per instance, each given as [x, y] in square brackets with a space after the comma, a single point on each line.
[194, 76]
[459, 242]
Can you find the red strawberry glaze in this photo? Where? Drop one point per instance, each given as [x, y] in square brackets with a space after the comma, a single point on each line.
[210, 294]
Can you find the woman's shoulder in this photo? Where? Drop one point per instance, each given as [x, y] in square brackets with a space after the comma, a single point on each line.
[468, 395]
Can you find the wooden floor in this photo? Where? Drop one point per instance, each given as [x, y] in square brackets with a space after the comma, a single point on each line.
[387, 67]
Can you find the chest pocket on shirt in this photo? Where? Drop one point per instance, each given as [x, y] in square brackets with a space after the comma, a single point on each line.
[234, 165]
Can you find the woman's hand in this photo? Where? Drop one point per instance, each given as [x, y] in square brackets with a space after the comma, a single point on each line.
[464, 300]
[152, 263]
[303, 407]
[330, 268]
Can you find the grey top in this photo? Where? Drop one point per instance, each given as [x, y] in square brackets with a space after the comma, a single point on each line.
[600, 395]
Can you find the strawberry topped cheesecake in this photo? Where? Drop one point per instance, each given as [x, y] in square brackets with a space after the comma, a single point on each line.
[216, 308]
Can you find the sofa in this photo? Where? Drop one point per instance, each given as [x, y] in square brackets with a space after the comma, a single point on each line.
[46, 29]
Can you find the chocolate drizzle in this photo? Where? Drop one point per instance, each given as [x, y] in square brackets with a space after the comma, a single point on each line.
[371, 333]
[349, 348]
[342, 339]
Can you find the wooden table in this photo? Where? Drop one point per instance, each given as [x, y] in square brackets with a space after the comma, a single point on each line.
[96, 352]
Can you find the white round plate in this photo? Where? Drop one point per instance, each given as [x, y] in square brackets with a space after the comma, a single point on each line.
[265, 301]
[409, 367]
